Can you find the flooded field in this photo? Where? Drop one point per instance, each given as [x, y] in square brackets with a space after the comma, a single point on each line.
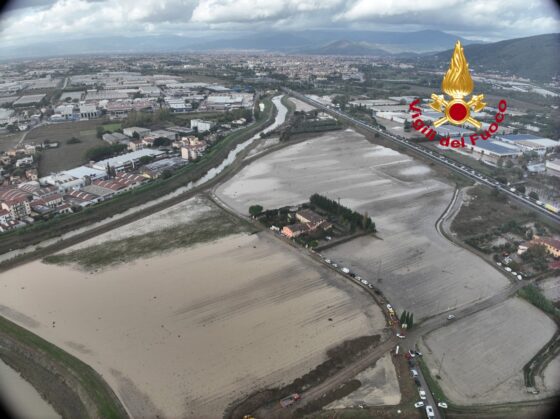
[186, 333]
[417, 269]
[480, 358]
[379, 387]
[20, 398]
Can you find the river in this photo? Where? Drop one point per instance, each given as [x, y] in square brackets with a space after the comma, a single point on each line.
[19, 396]
[280, 118]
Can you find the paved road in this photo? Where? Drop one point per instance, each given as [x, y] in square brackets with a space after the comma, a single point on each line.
[430, 400]
[436, 157]
[426, 326]
[410, 342]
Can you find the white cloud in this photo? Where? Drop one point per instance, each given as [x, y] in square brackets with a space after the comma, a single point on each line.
[227, 11]
[484, 19]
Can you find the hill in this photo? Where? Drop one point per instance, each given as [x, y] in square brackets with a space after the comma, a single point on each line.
[535, 57]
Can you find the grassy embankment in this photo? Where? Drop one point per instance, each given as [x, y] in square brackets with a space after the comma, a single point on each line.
[61, 224]
[72, 387]
[211, 226]
[551, 350]
[288, 104]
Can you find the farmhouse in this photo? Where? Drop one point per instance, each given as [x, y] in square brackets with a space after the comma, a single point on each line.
[295, 230]
[551, 245]
[309, 221]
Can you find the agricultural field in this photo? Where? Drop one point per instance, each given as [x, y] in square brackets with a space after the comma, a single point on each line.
[186, 331]
[480, 358]
[66, 156]
[416, 268]
[379, 387]
[8, 141]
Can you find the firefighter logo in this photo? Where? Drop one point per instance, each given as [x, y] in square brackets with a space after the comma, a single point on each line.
[458, 84]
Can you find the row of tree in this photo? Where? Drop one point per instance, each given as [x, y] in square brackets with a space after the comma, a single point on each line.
[104, 151]
[353, 218]
[407, 318]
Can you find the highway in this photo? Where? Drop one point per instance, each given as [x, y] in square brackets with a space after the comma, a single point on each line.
[436, 157]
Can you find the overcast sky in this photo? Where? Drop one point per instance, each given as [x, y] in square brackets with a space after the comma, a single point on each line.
[31, 20]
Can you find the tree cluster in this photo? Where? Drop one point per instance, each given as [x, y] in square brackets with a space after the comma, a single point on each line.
[353, 218]
[255, 210]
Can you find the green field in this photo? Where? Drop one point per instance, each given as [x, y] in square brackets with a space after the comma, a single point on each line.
[66, 156]
[112, 127]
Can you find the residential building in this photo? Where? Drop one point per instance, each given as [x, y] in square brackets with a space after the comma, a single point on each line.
[5, 216]
[551, 245]
[189, 153]
[201, 125]
[308, 216]
[15, 201]
[295, 230]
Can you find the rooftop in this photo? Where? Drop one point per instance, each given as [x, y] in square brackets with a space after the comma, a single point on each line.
[496, 148]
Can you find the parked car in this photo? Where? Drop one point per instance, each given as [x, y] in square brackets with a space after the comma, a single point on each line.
[371, 286]
[414, 373]
[443, 405]
[400, 336]
[419, 404]
[328, 260]
[422, 394]
[430, 412]
[451, 317]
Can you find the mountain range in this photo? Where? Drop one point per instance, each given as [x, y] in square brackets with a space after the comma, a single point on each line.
[298, 42]
[536, 57]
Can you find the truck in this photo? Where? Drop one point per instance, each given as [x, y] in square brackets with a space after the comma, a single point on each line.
[552, 208]
[291, 399]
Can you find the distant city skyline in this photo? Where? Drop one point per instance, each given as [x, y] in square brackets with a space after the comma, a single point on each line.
[28, 21]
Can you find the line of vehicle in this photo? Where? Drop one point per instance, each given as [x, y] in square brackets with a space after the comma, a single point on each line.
[434, 156]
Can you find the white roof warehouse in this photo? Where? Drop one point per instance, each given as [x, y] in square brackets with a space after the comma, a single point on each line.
[127, 160]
